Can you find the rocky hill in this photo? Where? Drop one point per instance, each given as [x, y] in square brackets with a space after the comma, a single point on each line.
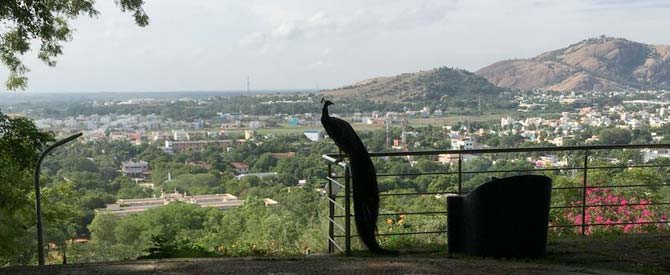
[602, 63]
[423, 85]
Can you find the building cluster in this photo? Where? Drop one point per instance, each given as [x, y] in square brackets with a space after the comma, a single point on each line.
[124, 207]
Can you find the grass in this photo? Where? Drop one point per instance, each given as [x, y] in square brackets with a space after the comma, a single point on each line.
[360, 127]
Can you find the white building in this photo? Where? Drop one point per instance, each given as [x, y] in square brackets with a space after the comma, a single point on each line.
[135, 169]
[313, 135]
[180, 135]
[507, 122]
[464, 143]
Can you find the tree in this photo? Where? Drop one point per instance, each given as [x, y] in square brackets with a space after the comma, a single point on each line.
[195, 184]
[20, 143]
[47, 21]
[102, 228]
[131, 190]
[615, 136]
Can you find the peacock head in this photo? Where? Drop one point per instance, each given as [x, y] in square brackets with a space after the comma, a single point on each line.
[326, 103]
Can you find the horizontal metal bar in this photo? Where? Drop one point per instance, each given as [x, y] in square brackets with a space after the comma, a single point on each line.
[567, 188]
[517, 150]
[400, 233]
[611, 224]
[336, 224]
[412, 233]
[416, 193]
[335, 243]
[611, 186]
[415, 213]
[627, 223]
[523, 170]
[473, 172]
[416, 174]
[626, 186]
[333, 180]
[410, 194]
[328, 158]
[518, 170]
[335, 203]
[564, 225]
[403, 213]
[608, 205]
[627, 166]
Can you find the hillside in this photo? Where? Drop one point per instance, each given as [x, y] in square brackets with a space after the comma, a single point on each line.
[424, 85]
[602, 63]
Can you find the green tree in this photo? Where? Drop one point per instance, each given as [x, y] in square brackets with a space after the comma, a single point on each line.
[47, 21]
[130, 190]
[196, 184]
[615, 136]
[20, 142]
[102, 228]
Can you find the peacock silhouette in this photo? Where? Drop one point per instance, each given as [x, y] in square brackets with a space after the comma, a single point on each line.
[363, 177]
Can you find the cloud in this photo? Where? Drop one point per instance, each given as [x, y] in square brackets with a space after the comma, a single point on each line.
[368, 19]
[287, 30]
[253, 39]
[618, 4]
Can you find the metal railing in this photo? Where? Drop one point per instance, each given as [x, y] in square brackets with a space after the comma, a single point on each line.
[582, 155]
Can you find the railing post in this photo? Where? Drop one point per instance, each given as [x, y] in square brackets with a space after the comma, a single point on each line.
[460, 173]
[331, 209]
[347, 211]
[584, 186]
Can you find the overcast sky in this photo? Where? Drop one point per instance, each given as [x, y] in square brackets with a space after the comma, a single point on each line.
[215, 44]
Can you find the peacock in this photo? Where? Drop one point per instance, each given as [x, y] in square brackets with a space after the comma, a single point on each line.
[363, 177]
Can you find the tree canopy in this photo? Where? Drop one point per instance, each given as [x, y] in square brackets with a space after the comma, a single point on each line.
[48, 22]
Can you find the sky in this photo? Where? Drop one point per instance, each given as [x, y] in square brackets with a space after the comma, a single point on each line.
[214, 45]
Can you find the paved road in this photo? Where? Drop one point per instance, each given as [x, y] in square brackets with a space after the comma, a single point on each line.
[309, 265]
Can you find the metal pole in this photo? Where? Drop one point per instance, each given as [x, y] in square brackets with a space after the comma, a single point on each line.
[584, 186]
[38, 198]
[460, 172]
[331, 211]
[347, 210]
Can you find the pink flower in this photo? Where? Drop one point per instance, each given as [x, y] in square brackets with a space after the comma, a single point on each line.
[627, 228]
[599, 219]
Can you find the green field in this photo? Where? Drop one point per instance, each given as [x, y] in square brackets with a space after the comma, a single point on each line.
[413, 122]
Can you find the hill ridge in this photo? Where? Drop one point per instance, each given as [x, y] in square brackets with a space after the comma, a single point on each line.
[605, 63]
[432, 84]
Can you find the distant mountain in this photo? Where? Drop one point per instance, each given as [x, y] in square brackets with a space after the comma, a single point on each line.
[423, 85]
[602, 63]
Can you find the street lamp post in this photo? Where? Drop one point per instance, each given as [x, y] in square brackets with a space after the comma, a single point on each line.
[38, 204]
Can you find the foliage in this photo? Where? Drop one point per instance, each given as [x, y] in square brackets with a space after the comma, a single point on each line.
[615, 136]
[48, 22]
[160, 249]
[20, 143]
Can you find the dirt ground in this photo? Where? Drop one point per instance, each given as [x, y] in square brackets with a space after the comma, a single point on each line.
[648, 254]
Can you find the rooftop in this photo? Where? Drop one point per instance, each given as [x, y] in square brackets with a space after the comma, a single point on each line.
[131, 206]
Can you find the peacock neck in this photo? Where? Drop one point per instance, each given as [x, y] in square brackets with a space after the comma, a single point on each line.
[324, 111]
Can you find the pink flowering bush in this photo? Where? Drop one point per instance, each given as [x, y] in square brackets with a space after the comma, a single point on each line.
[615, 212]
